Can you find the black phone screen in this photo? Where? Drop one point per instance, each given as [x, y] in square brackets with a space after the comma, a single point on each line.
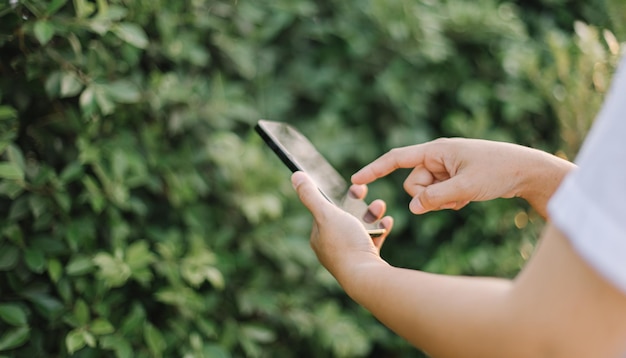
[299, 154]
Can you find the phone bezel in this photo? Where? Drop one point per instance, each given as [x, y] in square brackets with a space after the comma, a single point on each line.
[292, 164]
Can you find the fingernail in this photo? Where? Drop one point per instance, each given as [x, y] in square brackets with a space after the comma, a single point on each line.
[369, 217]
[416, 206]
[296, 179]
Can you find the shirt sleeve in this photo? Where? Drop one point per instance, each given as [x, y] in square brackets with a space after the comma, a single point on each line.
[590, 205]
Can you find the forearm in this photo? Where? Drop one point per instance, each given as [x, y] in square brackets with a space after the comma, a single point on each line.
[446, 316]
[556, 307]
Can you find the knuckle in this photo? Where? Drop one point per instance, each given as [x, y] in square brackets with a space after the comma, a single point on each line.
[442, 141]
[428, 200]
[409, 187]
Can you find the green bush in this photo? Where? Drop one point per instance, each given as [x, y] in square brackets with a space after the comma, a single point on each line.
[141, 217]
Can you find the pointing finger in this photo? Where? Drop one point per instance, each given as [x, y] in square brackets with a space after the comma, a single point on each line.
[404, 157]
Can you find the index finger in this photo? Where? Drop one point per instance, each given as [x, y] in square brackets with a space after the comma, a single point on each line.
[403, 157]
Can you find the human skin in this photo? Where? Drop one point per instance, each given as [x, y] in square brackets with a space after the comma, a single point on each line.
[556, 307]
[449, 173]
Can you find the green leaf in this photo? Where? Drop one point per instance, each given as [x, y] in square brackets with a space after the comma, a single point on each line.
[122, 91]
[49, 245]
[132, 34]
[103, 6]
[55, 270]
[38, 205]
[9, 256]
[14, 338]
[64, 201]
[50, 307]
[79, 265]
[11, 189]
[94, 194]
[101, 326]
[215, 277]
[114, 271]
[44, 31]
[13, 314]
[119, 345]
[258, 333]
[74, 341]
[70, 85]
[104, 101]
[11, 171]
[15, 234]
[138, 255]
[19, 208]
[53, 84]
[35, 260]
[215, 351]
[71, 172]
[154, 339]
[113, 13]
[87, 101]
[89, 338]
[84, 8]
[54, 6]
[7, 112]
[15, 156]
[81, 312]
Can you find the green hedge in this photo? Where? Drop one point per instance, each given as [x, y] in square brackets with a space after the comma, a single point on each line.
[140, 216]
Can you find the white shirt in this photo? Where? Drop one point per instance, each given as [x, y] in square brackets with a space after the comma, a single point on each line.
[590, 205]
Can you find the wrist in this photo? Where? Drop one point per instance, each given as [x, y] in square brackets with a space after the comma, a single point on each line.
[545, 172]
[360, 273]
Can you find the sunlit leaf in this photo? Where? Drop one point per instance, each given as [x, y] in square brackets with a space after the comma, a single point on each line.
[131, 33]
[101, 326]
[79, 265]
[11, 171]
[114, 271]
[74, 341]
[122, 91]
[55, 270]
[7, 112]
[70, 85]
[44, 31]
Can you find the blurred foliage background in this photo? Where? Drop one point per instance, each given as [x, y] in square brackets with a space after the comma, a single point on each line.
[140, 215]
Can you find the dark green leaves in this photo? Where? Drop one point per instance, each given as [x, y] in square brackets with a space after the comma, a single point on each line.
[140, 215]
[13, 314]
[14, 338]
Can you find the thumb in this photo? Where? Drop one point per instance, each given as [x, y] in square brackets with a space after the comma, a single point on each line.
[309, 193]
[441, 195]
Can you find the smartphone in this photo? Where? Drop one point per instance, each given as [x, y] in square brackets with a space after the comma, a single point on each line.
[299, 154]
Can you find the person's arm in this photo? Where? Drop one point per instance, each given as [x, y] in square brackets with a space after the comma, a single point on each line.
[448, 173]
[557, 306]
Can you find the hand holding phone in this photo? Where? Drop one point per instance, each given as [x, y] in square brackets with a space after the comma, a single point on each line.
[299, 154]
